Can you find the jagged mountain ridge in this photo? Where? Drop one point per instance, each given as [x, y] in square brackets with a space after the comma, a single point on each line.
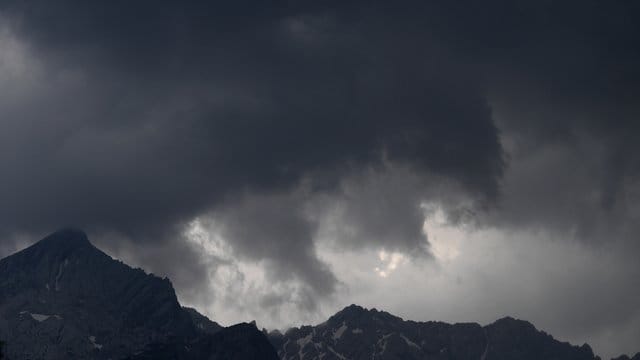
[625, 357]
[62, 298]
[357, 333]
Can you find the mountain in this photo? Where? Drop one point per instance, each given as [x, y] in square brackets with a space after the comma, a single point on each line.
[62, 298]
[625, 357]
[357, 333]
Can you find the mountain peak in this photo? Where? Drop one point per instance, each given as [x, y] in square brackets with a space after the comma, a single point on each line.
[356, 312]
[60, 245]
[509, 321]
[105, 307]
[66, 237]
[53, 250]
[349, 313]
[353, 308]
[63, 298]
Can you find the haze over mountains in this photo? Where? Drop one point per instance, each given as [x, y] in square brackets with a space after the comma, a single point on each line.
[62, 298]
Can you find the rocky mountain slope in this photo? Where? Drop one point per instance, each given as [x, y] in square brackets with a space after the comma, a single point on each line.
[357, 333]
[62, 298]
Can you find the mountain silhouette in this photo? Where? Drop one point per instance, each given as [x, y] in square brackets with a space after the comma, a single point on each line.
[63, 298]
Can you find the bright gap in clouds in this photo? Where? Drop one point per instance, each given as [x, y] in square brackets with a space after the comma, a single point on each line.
[444, 242]
[475, 275]
[241, 290]
[390, 261]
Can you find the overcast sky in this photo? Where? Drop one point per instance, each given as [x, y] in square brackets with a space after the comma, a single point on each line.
[441, 160]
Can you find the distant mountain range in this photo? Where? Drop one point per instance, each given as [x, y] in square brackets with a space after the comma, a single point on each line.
[62, 298]
[358, 333]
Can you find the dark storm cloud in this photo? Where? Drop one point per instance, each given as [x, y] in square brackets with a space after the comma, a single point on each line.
[135, 118]
[275, 228]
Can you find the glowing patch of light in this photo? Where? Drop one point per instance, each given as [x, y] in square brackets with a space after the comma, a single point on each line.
[444, 239]
[211, 243]
[390, 262]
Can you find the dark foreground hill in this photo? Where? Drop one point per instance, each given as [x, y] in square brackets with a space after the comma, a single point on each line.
[238, 342]
[62, 298]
